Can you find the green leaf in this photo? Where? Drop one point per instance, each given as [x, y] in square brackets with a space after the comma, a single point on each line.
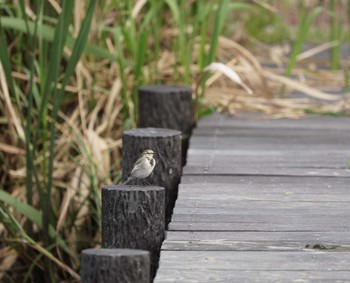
[56, 54]
[79, 44]
[5, 62]
[32, 214]
[304, 26]
[78, 49]
[46, 32]
[174, 7]
[220, 18]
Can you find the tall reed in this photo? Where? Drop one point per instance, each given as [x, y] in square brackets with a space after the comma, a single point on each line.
[70, 99]
[68, 81]
[38, 109]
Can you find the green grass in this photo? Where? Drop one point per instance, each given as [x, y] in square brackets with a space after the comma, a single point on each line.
[42, 105]
[70, 119]
[306, 20]
[39, 118]
[328, 113]
[335, 34]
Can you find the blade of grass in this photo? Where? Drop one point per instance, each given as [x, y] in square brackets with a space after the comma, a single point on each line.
[156, 31]
[16, 228]
[31, 169]
[56, 52]
[5, 62]
[139, 60]
[220, 18]
[32, 214]
[306, 20]
[335, 32]
[46, 33]
[122, 65]
[73, 60]
[202, 22]
[77, 51]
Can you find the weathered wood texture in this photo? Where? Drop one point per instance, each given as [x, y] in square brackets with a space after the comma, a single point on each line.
[115, 265]
[250, 266]
[311, 147]
[253, 241]
[262, 201]
[162, 106]
[133, 217]
[167, 172]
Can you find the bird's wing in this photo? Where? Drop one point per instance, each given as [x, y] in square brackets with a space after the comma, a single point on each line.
[136, 166]
[138, 162]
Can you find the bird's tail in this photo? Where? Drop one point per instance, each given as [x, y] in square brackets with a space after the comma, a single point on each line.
[127, 181]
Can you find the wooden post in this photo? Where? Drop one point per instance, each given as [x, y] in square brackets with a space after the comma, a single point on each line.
[133, 217]
[167, 172]
[162, 106]
[115, 265]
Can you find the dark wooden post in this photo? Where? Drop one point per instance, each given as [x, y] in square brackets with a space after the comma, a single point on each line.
[167, 172]
[162, 106]
[115, 265]
[133, 217]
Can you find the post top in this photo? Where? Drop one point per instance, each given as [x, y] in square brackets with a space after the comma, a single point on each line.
[165, 89]
[152, 132]
[132, 188]
[115, 252]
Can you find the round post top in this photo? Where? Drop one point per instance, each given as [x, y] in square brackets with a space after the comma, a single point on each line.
[152, 132]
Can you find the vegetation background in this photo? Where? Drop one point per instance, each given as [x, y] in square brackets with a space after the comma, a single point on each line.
[69, 75]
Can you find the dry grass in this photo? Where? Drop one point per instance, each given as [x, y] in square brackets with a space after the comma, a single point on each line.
[88, 144]
[311, 88]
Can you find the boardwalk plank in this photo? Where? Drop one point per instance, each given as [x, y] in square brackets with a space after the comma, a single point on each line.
[175, 275]
[268, 144]
[331, 236]
[260, 266]
[289, 260]
[323, 123]
[184, 213]
[274, 134]
[236, 169]
[241, 226]
[273, 217]
[289, 199]
[270, 182]
[252, 241]
[272, 206]
[273, 158]
[262, 201]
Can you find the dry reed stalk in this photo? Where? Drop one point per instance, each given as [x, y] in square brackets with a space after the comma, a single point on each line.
[14, 117]
[91, 124]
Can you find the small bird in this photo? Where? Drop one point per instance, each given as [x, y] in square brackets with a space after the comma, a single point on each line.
[143, 166]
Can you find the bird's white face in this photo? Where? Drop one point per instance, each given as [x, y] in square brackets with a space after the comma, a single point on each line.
[148, 153]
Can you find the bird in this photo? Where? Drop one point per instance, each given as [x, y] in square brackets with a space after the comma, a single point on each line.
[143, 167]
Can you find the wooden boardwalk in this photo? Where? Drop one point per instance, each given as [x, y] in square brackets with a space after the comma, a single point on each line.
[262, 201]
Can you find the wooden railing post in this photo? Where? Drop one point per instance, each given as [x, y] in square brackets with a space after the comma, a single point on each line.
[133, 217]
[167, 172]
[115, 265]
[162, 106]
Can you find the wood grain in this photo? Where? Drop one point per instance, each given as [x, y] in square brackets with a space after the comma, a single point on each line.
[115, 265]
[262, 201]
[133, 217]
